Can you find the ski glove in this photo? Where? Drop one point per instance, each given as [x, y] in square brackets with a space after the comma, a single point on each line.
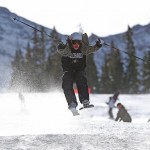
[99, 42]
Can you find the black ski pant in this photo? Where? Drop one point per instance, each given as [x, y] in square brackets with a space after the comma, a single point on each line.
[110, 113]
[79, 78]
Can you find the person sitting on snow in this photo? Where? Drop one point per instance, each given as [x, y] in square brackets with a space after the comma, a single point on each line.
[122, 114]
[74, 51]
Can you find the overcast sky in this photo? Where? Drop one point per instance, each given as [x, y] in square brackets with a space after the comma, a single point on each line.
[101, 17]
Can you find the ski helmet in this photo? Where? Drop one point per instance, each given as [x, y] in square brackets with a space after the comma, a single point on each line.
[76, 36]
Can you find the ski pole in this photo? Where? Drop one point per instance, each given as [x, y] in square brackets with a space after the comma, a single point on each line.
[34, 28]
[124, 52]
[60, 41]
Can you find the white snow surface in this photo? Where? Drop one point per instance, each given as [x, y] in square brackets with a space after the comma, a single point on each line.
[44, 122]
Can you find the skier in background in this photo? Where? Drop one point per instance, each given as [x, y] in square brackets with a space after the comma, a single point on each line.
[111, 104]
[122, 114]
[22, 99]
[74, 51]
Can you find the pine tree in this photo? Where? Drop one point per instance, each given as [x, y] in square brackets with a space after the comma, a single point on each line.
[131, 79]
[41, 61]
[29, 68]
[54, 61]
[112, 72]
[105, 82]
[92, 75]
[35, 63]
[146, 73]
[115, 69]
[17, 80]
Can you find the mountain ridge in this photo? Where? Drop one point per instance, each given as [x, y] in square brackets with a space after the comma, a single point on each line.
[14, 35]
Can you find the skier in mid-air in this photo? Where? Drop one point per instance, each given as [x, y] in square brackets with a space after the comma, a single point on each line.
[73, 52]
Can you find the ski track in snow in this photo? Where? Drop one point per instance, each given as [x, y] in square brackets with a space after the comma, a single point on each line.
[45, 123]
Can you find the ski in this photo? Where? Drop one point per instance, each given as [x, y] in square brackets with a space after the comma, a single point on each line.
[89, 106]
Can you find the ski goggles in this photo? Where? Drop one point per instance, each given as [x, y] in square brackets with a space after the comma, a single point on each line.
[76, 42]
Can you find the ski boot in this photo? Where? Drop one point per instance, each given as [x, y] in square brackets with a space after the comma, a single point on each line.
[86, 104]
[74, 111]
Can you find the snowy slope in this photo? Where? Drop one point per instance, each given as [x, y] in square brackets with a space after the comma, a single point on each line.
[45, 123]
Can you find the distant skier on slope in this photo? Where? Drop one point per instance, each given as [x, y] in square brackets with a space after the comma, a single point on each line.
[22, 99]
[122, 114]
[111, 104]
[74, 51]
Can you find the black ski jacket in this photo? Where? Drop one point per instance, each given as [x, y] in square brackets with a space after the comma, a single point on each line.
[75, 60]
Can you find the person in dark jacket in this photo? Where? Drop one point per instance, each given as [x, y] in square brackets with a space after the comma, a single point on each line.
[122, 114]
[74, 51]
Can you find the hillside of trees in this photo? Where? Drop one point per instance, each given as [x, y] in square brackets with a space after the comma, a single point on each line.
[39, 70]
